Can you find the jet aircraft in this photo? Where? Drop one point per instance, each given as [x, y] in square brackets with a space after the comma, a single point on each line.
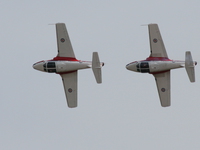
[66, 65]
[159, 65]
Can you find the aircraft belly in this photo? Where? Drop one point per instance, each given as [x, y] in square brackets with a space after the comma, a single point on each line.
[70, 66]
[164, 66]
[157, 67]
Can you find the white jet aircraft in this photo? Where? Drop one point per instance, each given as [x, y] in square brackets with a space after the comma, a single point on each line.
[159, 65]
[66, 64]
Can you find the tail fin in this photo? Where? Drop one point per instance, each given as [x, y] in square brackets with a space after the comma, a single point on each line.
[189, 66]
[96, 67]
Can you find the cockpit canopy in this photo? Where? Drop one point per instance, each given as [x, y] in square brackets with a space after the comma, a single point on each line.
[143, 67]
[50, 67]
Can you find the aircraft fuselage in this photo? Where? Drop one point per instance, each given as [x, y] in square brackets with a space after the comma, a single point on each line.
[154, 66]
[61, 66]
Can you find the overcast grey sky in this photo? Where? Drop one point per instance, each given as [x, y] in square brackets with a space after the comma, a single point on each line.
[124, 112]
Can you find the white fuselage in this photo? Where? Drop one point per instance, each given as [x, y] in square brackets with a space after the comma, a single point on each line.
[66, 66]
[154, 66]
[61, 66]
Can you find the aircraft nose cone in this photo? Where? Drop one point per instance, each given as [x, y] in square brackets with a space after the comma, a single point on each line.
[128, 67]
[131, 66]
[38, 66]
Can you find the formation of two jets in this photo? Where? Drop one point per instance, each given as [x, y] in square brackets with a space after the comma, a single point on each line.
[158, 64]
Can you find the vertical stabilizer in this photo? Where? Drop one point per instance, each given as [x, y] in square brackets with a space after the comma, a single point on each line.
[189, 66]
[96, 67]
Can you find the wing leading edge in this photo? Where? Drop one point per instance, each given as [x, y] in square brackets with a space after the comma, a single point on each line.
[163, 86]
[70, 86]
[156, 43]
[63, 41]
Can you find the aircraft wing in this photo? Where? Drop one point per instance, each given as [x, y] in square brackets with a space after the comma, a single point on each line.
[64, 45]
[156, 43]
[163, 86]
[70, 87]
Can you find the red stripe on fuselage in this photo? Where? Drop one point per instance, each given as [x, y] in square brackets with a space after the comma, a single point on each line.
[158, 59]
[60, 73]
[158, 72]
[64, 58]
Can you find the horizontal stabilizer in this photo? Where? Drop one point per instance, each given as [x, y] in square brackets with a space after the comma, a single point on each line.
[189, 66]
[96, 67]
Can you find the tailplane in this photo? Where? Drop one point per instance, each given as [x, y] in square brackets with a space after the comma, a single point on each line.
[96, 67]
[189, 66]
